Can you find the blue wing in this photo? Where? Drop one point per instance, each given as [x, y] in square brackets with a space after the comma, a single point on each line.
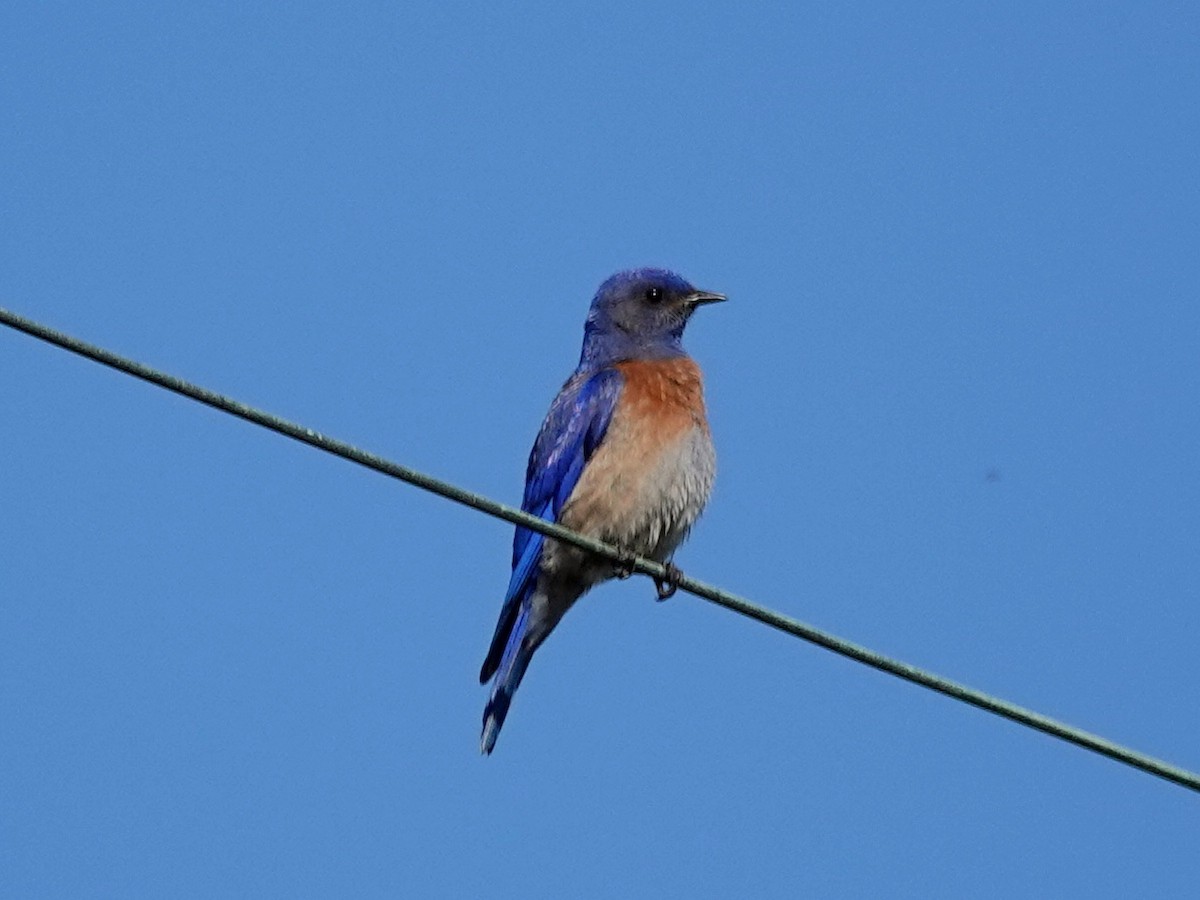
[572, 431]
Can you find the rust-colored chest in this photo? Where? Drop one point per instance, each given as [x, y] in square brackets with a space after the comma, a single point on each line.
[671, 391]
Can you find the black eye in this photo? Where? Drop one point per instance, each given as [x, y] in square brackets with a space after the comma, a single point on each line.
[654, 294]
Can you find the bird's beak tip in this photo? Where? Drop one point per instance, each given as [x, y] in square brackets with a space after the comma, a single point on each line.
[700, 298]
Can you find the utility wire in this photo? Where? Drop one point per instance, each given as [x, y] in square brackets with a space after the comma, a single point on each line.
[856, 652]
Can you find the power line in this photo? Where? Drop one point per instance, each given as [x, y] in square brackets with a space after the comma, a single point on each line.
[791, 626]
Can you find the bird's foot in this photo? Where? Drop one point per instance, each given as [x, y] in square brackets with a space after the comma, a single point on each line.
[625, 568]
[669, 583]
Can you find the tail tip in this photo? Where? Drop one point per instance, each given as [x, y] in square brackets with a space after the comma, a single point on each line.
[491, 729]
[493, 719]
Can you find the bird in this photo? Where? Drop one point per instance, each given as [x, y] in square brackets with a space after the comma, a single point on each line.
[624, 455]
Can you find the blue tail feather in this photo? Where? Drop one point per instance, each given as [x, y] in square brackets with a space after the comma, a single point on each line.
[508, 678]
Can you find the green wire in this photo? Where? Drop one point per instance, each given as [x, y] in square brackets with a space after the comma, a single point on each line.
[791, 626]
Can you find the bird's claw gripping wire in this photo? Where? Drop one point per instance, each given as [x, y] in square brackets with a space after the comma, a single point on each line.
[669, 583]
[665, 586]
[626, 566]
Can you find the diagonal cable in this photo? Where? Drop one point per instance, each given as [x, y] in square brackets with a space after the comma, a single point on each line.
[794, 627]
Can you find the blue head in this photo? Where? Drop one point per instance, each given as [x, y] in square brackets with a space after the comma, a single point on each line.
[639, 314]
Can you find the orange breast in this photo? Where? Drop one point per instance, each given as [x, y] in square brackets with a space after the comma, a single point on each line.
[670, 390]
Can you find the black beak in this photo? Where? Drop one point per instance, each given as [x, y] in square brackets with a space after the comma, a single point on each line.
[700, 298]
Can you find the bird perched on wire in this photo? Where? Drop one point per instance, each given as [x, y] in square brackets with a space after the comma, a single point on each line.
[624, 455]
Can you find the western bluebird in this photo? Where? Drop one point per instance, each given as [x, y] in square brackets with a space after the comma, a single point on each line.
[624, 455]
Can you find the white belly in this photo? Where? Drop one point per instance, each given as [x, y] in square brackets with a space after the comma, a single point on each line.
[669, 500]
[649, 505]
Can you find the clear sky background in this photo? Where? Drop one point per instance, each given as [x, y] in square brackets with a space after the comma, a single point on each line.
[956, 397]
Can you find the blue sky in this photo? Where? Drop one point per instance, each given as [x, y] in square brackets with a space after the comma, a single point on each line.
[954, 396]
